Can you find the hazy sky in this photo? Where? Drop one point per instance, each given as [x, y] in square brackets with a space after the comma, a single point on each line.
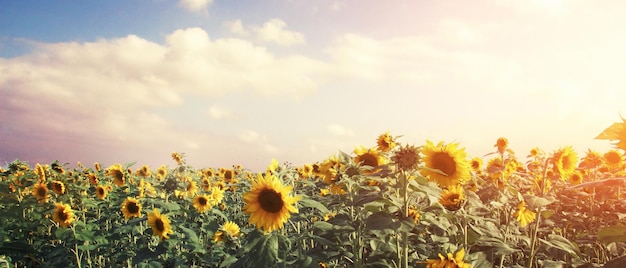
[242, 82]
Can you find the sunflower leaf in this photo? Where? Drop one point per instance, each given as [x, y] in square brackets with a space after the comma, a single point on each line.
[381, 220]
[612, 234]
[308, 202]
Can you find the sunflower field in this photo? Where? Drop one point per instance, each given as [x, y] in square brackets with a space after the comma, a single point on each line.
[391, 204]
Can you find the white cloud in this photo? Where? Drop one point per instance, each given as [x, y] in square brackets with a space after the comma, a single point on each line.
[198, 6]
[253, 137]
[272, 31]
[337, 5]
[218, 113]
[339, 130]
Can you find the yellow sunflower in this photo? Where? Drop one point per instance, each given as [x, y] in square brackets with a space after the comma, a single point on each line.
[160, 224]
[217, 195]
[385, 142]
[451, 197]
[97, 166]
[231, 229]
[40, 192]
[524, 215]
[565, 162]
[143, 171]
[576, 178]
[613, 158]
[58, 187]
[41, 172]
[369, 157]
[477, 164]
[502, 143]
[101, 192]
[131, 208]
[161, 172]
[306, 171]
[63, 215]
[406, 158]
[450, 262]
[448, 159]
[202, 203]
[268, 203]
[178, 158]
[93, 179]
[116, 171]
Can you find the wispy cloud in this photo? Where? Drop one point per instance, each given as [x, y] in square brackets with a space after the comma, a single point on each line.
[273, 31]
[197, 6]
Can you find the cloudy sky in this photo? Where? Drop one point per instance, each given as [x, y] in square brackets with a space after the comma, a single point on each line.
[242, 82]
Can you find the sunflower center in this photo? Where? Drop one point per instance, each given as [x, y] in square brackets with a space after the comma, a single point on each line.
[202, 201]
[612, 158]
[159, 225]
[117, 174]
[369, 160]
[62, 215]
[41, 191]
[444, 162]
[454, 198]
[57, 187]
[270, 201]
[133, 208]
[100, 191]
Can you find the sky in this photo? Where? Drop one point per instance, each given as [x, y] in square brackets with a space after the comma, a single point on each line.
[244, 82]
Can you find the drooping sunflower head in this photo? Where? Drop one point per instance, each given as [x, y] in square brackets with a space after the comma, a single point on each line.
[202, 203]
[269, 203]
[406, 157]
[178, 158]
[452, 197]
[41, 172]
[143, 171]
[385, 142]
[58, 187]
[101, 192]
[131, 208]
[63, 215]
[161, 172]
[116, 171]
[40, 192]
[369, 157]
[449, 160]
[565, 161]
[524, 215]
[160, 224]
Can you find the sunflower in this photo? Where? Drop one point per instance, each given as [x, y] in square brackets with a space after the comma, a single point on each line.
[565, 162]
[448, 159]
[101, 192]
[40, 192]
[178, 158]
[190, 188]
[306, 171]
[502, 143]
[524, 215]
[205, 184]
[535, 152]
[41, 172]
[93, 179]
[161, 172]
[63, 215]
[131, 208]
[452, 197]
[269, 203]
[231, 229]
[217, 195]
[160, 224]
[576, 178]
[202, 203]
[613, 158]
[369, 157]
[406, 158]
[385, 142]
[477, 164]
[450, 262]
[273, 167]
[117, 173]
[58, 187]
[97, 166]
[592, 159]
[143, 171]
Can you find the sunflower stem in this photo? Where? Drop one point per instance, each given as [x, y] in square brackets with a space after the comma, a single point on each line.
[405, 214]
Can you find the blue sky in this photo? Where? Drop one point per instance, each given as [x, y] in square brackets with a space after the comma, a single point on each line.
[242, 82]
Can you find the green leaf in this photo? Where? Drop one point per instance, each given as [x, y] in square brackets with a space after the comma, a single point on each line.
[612, 234]
[381, 220]
[559, 242]
[308, 202]
[83, 234]
[364, 199]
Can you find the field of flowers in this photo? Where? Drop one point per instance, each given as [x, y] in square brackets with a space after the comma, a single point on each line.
[389, 205]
